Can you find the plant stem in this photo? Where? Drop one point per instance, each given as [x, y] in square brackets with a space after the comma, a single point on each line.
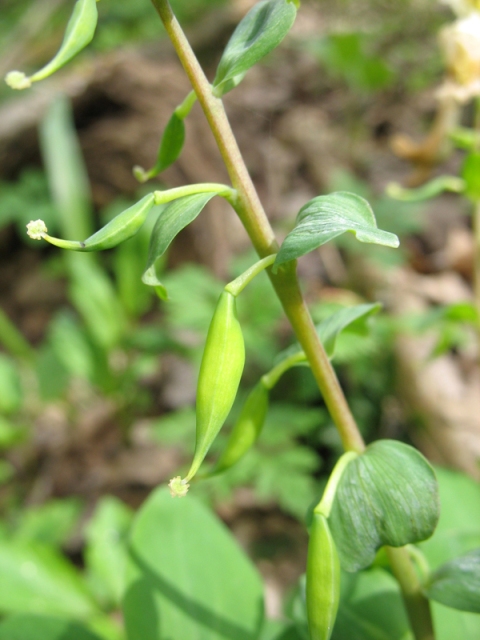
[285, 282]
[255, 221]
[418, 608]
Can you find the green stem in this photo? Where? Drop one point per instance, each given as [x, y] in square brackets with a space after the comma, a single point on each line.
[270, 379]
[238, 285]
[416, 604]
[285, 282]
[185, 107]
[162, 197]
[255, 221]
[325, 505]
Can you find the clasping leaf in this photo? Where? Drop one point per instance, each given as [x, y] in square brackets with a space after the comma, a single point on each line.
[325, 218]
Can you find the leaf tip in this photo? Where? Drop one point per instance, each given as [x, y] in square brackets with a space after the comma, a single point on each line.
[178, 487]
[140, 174]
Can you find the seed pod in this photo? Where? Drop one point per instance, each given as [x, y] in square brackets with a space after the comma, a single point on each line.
[220, 372]
[323, 580]
[78, 34]
[121, 228]
[247, 428]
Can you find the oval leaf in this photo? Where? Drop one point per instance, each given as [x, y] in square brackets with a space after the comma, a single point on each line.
[36, 627]
[457, 583]
[175, 217]
[260, 31]
[327, 217]
[386, 496]
[187, 576]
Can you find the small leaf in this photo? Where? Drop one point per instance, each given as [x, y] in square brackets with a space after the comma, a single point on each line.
[457, 583]
[260, 31]
[427, 191]
[188, 574]
[327, 217]
[175, 217]
[171, 146]
[386, 496]
[26, 626]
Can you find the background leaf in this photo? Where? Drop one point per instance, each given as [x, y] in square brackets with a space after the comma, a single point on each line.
[386, 496]
[325, 218]
[457, 583]
[260, 31]
[37, 627]
[187, 577]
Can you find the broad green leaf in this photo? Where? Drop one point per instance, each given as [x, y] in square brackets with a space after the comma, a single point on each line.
[386, 496]
[106, 548]
[371, 608]
[457, 583]
[471, 175]
[327, 217]
[37, 627]
[10, 434]
[187, 576]
[458, 532]
[175, 217]
[353, 318]
[260, 31]
[36, 579]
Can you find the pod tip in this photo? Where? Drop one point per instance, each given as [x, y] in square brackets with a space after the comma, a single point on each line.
[178, 487]
[17, 80]
[36, 229]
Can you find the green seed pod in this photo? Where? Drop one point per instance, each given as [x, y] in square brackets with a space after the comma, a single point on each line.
[220, 372]
[247, 428]
[78, 34]
[121, 228]
[323, 580]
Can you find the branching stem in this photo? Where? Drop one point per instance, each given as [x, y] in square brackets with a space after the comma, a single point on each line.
[285, 282]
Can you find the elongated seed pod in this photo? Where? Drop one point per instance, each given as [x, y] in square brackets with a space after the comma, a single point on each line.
[220, 372]
[121, 228]
[323, 580]
[247, 428]
[78, 34]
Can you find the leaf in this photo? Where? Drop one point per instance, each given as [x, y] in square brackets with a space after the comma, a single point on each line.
[325, 218]
[260, 31]
[171, 144]
[36, 579]
[457, 583]
[50, 523]
[458, 532]
[187, 576]
[386, 496]
[175, 217]
[37, 627]
[10, 387]
[330, 328]
[106, 549]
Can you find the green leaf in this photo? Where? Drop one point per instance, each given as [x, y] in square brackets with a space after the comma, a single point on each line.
[471, 175]
[10, 389]
[458, 532]
[50, 523]
[36, 579]
[354, 318]
[457, 583]
[171, 144]
[386, 496]
[327, 217]
[371, 608]
[175, 217]
[260, 31]
[106, 549]
[187, 576]
[37, 627]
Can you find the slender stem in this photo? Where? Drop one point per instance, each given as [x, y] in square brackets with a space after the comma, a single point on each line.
[418, 608]
[270, 379]
[163, 197]
[325, 505]
[285, 282]
[255, 221]
[235, 287]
